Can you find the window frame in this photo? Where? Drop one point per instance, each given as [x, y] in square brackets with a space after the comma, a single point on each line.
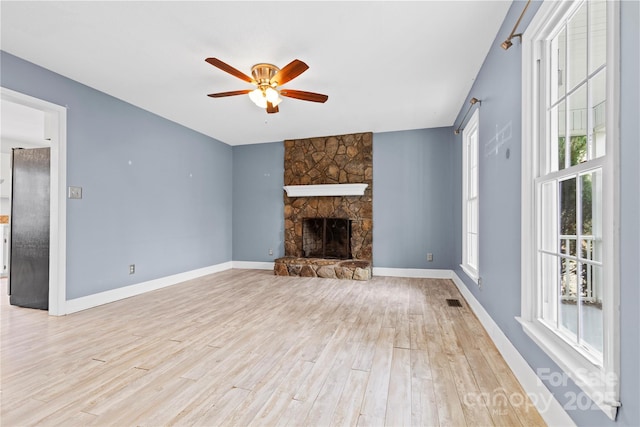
[472, 128]
[599, 381]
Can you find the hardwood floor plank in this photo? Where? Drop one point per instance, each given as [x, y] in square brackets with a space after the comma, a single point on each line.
[398, 411]
[324, 405]
[450, 412]
[278, 401]
[499, 390]
[285, 375]
[348, 407]
[403, 329]
[424, 409]
[375, 400]
[224, 407]
[321, 367]
[417, 333]
[364, 359]
[473, 406]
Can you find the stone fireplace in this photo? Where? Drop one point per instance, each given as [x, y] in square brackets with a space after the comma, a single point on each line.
[313, 246]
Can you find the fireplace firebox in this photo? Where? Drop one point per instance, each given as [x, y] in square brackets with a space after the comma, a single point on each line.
[326, 238]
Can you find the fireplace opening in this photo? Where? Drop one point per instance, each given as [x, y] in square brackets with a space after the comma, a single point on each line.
[326, 238]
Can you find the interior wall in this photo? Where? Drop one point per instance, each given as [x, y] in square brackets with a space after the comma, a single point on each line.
[630, 212]
[413, 199]
[498, 85]
[258, 225]
[155, 194]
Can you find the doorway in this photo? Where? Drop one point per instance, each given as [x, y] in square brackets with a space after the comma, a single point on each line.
[54, 129]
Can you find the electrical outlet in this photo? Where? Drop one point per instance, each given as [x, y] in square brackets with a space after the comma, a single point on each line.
[480, 282]
[429, 257]
[270, 252]
[132, 269]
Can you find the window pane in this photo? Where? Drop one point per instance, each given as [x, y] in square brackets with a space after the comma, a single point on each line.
[549, 285]
[578, 126]
[568, 310]
[598, 86]
[568, 245]
[591, 207]
[598, 33]
[558, 137]
[591, 307]
[473, 182]
[473, 215]
[577, 47]
[586, 204]
[473, 149]
[568, 216]
[549, 216]
[472, 252]
[558, 66]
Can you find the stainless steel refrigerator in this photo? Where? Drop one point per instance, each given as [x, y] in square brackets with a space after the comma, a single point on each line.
[29, 236]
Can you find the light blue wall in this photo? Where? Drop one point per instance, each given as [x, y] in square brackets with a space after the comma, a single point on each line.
[155, 194]
[413, 199]
[258, 207]
[498, 85]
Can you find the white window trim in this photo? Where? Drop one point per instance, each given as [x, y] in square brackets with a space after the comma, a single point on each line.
[599, 383]
[473, 126]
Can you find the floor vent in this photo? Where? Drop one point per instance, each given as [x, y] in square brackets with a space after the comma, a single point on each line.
[454, 303]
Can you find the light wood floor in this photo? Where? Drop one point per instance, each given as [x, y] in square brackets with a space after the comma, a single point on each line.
[248, 348]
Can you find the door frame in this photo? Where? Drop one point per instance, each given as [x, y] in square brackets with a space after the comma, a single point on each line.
[56, 131]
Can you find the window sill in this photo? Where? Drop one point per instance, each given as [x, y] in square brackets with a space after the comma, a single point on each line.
[599, 386]
[471, 272]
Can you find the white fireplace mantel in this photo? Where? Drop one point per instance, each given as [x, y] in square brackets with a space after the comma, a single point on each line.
[325, 190]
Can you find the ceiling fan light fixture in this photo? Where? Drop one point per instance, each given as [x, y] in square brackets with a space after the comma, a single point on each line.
[262, 95]
[268, 78]
[273, 96]
[258, 98]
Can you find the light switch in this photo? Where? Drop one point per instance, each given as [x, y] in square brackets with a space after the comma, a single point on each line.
[75, 192]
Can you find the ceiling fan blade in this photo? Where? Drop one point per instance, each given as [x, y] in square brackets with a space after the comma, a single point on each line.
[232, 93]
[289, 72]
[305, 96]
[229, 69]
[271, 108]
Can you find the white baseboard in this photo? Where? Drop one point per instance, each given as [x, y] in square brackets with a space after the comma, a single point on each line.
[90, 301]
[253, 265]
[412, 272]
[549, 408]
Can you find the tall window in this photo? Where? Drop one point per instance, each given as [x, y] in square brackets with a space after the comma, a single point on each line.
[470, 197]
[568, 250]
[569, 186]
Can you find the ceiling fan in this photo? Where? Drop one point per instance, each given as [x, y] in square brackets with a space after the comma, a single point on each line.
[268, 78]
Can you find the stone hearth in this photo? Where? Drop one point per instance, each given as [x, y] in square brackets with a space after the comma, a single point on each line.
[320, 267]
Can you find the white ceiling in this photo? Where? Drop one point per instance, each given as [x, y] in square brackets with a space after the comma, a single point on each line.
[385, 66]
